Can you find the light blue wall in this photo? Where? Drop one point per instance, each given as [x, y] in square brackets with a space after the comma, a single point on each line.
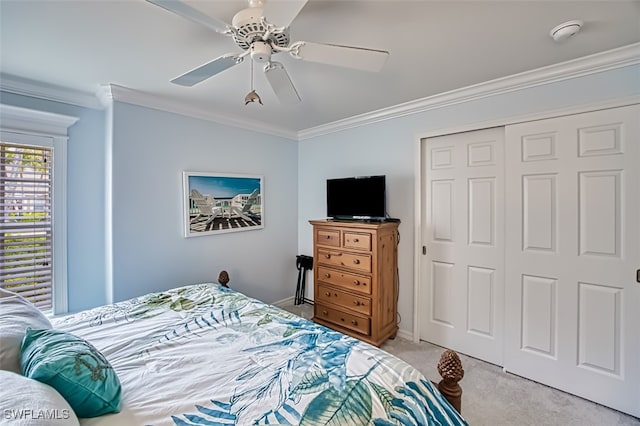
[85, 199]
[388, 147]
[151, 149]
[145, 151]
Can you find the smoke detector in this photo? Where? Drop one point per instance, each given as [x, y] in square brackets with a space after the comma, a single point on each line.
[565, 30]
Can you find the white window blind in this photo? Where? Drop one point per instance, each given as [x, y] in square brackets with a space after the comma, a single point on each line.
[26, 234]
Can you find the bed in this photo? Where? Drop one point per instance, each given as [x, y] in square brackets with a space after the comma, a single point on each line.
[205, 354]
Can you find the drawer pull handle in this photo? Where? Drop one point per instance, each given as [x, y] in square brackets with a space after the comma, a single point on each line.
[342, 319]
[356, 261]
[356, 302]
[355, 240]
[354, 322]
[325, 313]
[356, 282]
[327, 275]
[326, 293]
[327, 256]
[328, 237]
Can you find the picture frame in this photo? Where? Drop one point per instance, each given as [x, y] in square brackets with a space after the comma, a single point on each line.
[219, 203]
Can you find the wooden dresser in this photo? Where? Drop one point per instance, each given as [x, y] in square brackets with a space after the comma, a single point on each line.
[355, 278]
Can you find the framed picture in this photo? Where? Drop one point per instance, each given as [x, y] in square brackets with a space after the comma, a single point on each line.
[217, 203]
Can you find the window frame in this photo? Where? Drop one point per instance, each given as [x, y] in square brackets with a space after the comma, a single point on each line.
[32, 127]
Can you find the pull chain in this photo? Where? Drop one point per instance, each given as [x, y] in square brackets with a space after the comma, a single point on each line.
[252, 96]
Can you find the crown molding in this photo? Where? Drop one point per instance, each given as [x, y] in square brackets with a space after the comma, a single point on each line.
[17, 119]
[51, 92]
[592, 64]
[107, 93]
[529, 117]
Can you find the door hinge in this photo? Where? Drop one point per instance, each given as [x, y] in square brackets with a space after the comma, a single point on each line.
[424, 249]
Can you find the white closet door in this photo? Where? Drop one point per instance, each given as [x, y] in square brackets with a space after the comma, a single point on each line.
[463, 268]
[572, 250]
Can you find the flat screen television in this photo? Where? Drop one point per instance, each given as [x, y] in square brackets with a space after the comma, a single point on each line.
[358, 197]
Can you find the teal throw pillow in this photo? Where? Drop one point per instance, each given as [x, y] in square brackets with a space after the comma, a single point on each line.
[72, 366]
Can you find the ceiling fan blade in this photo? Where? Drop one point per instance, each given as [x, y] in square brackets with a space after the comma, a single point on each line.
[281, 83]
[180, 8]
[209, 69]
[282, 12]
[342, 56]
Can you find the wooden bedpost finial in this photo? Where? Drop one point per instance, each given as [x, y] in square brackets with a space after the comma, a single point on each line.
[223, 278]
[450, 368]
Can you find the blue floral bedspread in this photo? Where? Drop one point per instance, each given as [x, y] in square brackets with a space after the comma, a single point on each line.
[207, 355]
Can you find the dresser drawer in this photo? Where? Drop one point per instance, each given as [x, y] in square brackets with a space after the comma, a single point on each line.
[353, 302]
[354, 261]
[343, 319]
[360, 241]
[348, 281]
[328, 237]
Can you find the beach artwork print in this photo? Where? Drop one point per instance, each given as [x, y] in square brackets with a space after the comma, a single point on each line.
[219, 203]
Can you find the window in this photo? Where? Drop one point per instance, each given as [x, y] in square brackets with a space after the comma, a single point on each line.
[33, 246]
[26, 229]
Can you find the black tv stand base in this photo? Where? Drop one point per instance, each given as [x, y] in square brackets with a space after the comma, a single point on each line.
[366, 220]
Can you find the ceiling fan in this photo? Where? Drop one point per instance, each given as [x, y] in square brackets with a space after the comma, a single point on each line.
[261, 31]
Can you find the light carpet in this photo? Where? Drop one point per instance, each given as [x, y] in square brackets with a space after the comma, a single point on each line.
[493, 397]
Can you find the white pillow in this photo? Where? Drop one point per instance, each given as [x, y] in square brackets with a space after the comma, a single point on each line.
[16, 314]
[27, 402]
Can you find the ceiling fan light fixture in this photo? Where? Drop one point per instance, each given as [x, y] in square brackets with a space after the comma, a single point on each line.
[261, 31]
[260, 52]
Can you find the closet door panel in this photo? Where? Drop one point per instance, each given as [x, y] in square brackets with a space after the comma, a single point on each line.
[572, 251]
[463, 263]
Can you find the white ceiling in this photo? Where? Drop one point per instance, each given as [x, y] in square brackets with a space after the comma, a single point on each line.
[435, 46]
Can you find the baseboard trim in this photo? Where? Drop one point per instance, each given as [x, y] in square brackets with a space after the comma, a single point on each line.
[284, 302]
[404, 334]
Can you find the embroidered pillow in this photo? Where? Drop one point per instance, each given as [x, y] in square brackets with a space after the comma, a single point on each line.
[72, 366]
[16, 314]
[27, 402]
